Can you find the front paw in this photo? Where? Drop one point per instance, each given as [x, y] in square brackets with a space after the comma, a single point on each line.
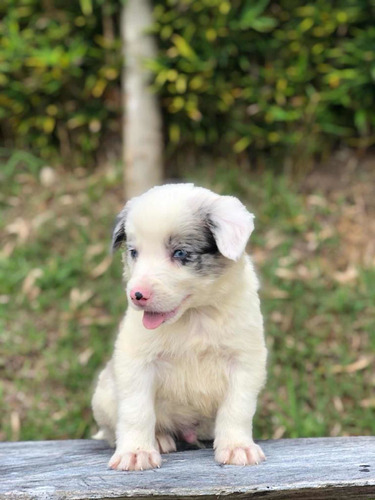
[250, 454]
[135, 460]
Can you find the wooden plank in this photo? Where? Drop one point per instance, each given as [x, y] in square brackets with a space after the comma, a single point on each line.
[318, 468]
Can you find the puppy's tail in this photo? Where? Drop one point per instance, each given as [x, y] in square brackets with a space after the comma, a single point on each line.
[106, 435]
[99, 435]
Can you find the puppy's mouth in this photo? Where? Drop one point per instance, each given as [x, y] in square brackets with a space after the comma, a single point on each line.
[153, 319]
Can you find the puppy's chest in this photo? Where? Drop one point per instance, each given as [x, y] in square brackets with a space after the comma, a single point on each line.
[195, 377]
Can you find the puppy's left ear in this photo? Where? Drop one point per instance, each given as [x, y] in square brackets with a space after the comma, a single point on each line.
[118, 235]
[231, 224]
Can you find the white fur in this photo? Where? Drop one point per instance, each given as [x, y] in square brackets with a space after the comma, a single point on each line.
[200, 372]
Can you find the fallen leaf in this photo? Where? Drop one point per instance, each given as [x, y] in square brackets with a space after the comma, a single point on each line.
[28, 287]
[41, 218]
[79, 297]
[326, 233]
[15, 424]
[84, 356]
[347, 276]
[336, 430]
[338, 404]
[96, 320]
[47, 177]
[102, 267]
[316, 200]
[285, 273]
[273, 239]
[279, 432]
[368, 403]
[358, 365]
[276, 293]
[66, 199]
[94, 250]
[20, 227]
[277, 317]
[7, 249]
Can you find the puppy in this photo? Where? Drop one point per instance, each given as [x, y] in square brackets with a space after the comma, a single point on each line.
[190, 357]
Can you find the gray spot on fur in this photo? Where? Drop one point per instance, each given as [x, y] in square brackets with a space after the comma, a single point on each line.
[198, 242]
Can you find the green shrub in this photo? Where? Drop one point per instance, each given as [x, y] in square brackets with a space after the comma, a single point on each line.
[243, 77]
[284, 76]
[59, 73]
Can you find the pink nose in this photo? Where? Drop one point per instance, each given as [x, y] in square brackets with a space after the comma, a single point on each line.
[140, 295]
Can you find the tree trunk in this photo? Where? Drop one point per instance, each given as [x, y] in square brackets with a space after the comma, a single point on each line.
[142, 126]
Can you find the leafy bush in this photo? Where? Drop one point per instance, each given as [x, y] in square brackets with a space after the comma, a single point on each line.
[59, 72]
[243, 76]
[265, 76]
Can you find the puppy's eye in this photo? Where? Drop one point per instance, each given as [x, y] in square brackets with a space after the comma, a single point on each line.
[179, 254]
[133, 253]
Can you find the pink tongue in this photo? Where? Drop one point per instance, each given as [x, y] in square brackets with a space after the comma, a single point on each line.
[153, 320]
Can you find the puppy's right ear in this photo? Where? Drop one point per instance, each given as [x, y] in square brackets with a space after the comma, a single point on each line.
[118, 235]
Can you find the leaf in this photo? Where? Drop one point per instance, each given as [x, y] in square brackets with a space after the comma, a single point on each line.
[361, 364]
[184, 49]
[360, 120]
[253, 11]
[368, 403]
[251, 18]
[102, 267]
[21, 227]
[86, 7]
[79, 297]
[48, 124]
[29, 287]
[241, 145]
[264, 24]
[276, 293]
[350, 275]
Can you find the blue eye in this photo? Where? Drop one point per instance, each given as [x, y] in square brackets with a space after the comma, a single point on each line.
[179, 254]
[133, 253]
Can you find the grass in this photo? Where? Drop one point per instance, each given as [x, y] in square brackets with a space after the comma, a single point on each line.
[61, 299]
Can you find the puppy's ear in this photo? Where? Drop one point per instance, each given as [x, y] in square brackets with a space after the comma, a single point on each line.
[231, 224]
[118, 235]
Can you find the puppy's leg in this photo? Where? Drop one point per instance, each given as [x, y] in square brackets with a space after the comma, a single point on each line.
[166, 443]
[104, 405]
[233, 431]
[136, 446]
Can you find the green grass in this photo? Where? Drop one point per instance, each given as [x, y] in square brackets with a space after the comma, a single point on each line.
[61, 300]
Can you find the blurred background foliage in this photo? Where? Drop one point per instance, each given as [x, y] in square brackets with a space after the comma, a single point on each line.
[59, 77]
[286, 76]
[246, 78]
[239, 82]
[61, 295]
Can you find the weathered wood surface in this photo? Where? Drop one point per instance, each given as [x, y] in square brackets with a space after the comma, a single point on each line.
[322, 468]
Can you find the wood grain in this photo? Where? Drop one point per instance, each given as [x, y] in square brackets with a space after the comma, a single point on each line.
[318, 468]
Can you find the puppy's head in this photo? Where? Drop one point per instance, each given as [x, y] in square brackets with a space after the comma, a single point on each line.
[180, 240]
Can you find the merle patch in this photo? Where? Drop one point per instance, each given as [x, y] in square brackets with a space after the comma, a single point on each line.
[202, 253]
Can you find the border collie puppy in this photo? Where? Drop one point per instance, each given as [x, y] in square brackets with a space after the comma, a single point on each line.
[190, 357]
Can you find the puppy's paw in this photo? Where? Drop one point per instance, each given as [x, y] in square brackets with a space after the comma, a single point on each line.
[251, 454]
[166, 443]
[135, 460]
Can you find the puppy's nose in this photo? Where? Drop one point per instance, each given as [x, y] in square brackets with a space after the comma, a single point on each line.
[140, 295]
